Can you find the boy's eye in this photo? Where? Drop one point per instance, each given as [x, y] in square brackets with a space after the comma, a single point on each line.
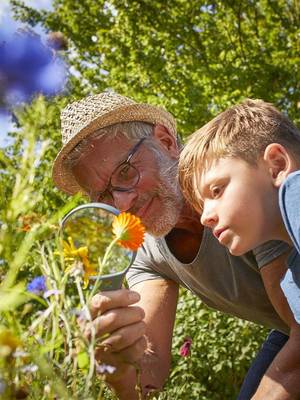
[215, 191]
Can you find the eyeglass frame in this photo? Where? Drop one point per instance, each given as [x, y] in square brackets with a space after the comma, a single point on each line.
[110, 188]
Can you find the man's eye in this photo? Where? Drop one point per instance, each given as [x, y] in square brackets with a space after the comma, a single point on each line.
[123, 173]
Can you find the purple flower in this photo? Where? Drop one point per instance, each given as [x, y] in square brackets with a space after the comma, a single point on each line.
[185, 349]
[105, 369]
[37, 285]
[28, 67]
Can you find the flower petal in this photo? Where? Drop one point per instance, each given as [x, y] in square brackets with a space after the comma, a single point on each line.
[129, 231]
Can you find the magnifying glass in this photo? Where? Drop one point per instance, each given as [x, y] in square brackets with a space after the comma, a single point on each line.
[89, 227]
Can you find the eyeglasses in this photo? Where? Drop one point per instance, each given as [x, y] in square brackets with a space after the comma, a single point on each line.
[123, 178]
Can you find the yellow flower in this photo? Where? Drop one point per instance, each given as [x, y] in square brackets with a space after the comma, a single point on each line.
[8, 342]
[129, 231]
[71, 253]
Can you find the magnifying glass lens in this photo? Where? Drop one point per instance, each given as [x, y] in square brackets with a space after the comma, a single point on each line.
[89, 230]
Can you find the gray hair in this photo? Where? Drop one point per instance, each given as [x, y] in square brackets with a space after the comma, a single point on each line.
[131, 130]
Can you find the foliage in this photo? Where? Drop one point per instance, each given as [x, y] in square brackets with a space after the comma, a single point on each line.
[193, 57]
[221, 351]
[43, 352]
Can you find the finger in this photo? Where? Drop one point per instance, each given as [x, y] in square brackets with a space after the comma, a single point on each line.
[104, 301]
[130, 354]
[135, 352]
[125, 337]
[115, 319]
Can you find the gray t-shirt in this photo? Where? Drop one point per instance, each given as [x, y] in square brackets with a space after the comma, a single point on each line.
[227, 283]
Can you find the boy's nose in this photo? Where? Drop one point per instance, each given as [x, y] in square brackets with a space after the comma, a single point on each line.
[208, 217]
[123, 201]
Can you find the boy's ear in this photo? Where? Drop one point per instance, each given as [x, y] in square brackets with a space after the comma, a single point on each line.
[279, 162]
[166, 139]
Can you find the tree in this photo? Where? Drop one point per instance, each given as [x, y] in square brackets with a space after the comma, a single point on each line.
[193, 57]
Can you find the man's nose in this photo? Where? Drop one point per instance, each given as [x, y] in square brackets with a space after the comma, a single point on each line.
[123, 201]
[208, 217]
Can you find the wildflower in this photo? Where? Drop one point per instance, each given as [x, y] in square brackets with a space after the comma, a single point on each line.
[47, 389]
[30, 368]
[83, 314]
[71, 253]
[20, 353]
[37, 285]
[8, 342]
[26, 228]
[52, 292]
[105, 369]
[129, 231]
[27, 67]
[185, 349]
[28, 221]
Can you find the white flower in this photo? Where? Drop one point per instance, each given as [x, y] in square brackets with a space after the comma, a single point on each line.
[20, 353]
[30, 368]
[51, 292]
[105, 369]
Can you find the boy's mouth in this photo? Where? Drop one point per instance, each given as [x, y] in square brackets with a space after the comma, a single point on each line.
[218, 232]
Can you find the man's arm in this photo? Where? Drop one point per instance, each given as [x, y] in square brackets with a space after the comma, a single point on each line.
[282, 379]
[158, 299]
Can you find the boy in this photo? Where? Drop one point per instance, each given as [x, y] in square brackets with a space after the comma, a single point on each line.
[238, 171]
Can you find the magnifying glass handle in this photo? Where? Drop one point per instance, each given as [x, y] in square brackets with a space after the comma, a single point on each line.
[110, 282]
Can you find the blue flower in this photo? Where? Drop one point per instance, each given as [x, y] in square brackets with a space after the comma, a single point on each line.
[37, 285]
[28, 67]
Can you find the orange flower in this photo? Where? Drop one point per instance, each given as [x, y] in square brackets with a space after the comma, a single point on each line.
[29, 220]
[129, 231]
[26, 228]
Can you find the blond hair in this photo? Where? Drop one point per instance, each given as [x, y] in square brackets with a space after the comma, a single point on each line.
[242, 131]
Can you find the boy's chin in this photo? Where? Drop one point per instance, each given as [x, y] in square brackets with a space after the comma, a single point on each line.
[237, 251]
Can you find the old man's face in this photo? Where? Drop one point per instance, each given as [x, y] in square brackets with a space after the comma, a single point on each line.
[155, 198]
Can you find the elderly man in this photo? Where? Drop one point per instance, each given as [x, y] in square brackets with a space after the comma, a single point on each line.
[125, 154]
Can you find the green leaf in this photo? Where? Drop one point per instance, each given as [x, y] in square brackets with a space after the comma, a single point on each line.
[83, 360]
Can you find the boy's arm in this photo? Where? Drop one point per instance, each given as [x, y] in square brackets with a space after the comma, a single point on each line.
[282, 379]
[158, 299]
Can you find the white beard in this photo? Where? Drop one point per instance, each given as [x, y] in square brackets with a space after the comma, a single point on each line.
[171, 198]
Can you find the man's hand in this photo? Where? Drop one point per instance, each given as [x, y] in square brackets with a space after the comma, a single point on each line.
[120, 323]
[116, 314]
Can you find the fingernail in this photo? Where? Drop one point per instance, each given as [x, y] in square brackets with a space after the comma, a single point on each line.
[96, 302]
[133, 296]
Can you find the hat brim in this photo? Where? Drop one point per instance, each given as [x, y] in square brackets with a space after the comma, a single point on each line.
[63, 177]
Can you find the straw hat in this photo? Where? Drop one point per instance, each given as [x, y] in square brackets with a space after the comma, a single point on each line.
[81, 118]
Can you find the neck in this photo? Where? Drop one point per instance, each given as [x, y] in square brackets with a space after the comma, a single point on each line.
[283, 235]
[189, 220]
[185, 238]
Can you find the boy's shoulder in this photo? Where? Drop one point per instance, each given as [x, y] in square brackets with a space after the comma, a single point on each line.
[289, 195]
[269, 251]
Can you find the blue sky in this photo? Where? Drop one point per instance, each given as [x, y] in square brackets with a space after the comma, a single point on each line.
[6, 19]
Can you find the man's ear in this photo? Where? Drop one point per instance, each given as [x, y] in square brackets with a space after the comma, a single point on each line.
[279, 161]
[166, 139]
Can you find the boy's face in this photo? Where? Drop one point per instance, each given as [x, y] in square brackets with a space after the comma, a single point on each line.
[240, 204]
